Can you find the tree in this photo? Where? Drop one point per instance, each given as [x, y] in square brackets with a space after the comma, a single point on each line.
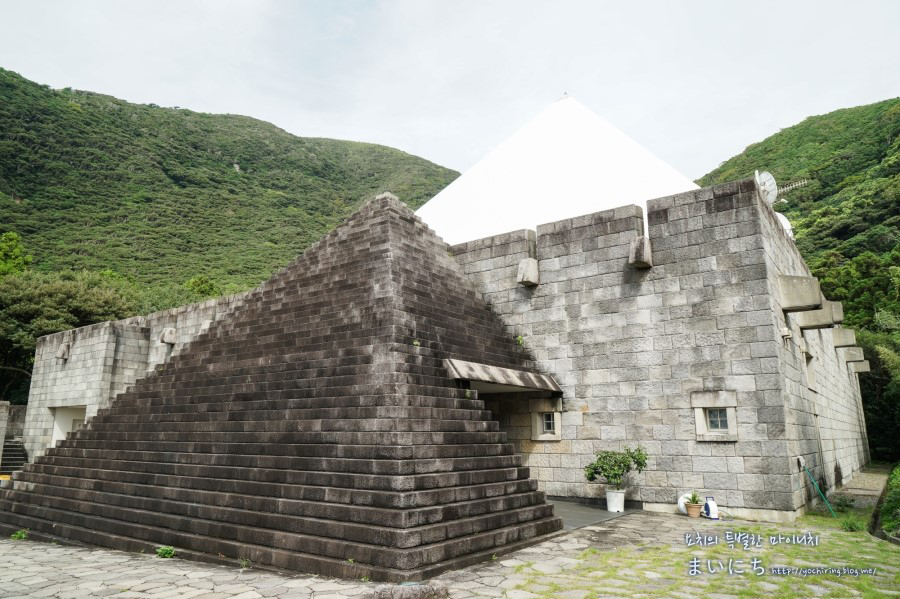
[13, 258]
[36, 304]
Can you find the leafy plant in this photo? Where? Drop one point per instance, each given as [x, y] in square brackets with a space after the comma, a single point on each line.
[615, 465]
[416, 343]
[520, 340]
[19, 535]
[694, 498]
[244, 563]
[165, 552]
[890, 509]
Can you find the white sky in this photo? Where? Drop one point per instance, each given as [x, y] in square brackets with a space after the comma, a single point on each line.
[694, 82]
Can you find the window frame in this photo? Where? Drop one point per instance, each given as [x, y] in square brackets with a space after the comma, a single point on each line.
[704, 401]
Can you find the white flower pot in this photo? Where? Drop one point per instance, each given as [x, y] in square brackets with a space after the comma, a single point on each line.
[615, 500]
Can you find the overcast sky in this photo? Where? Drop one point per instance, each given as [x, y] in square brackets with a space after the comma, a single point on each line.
[694, 82]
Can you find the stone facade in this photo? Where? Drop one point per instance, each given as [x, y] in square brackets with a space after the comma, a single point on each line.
[646, 333]
[642, 353]
[86, 368]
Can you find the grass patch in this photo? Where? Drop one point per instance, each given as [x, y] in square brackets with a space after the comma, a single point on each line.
[662, 571]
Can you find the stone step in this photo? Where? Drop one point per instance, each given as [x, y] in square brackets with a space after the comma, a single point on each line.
[174, 441]
[148, 442]
[215, 537]
[238, 400]
[281, 425]
[41, 528]
[271, 485]
[517, 496]
[381, 476]
[248, 416]
[166, 512]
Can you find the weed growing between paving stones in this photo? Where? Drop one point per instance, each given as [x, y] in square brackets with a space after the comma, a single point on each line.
[244, 563]
[19, 535]
[165, 552]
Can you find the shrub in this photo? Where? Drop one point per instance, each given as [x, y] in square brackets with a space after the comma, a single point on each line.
[890, 509]
[165, 552]
[615, 465]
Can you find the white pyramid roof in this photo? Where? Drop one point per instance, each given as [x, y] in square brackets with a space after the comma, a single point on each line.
[566, 162]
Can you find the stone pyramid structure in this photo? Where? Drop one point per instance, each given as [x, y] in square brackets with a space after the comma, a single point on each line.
[566, 162]
[316, 429]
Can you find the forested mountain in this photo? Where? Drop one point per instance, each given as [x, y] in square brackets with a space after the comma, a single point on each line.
[846, 222]
[164, 194]
[109, 209]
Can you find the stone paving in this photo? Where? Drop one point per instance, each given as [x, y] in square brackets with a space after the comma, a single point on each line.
[636, 555]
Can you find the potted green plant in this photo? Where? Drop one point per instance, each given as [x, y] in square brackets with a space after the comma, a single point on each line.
[614, 466]
[693, 505]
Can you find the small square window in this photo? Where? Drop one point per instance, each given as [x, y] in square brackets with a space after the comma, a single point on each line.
[549, 420]
[717, 419]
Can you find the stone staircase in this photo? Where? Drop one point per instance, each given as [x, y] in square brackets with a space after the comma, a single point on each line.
[315, 429]
[14, 456]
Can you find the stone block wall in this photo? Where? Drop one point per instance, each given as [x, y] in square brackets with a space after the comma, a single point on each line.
[87, 367]
[16, 423]
[639, 351]
[823, 408]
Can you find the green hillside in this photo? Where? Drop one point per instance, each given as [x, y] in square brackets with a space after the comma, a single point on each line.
[161, 195]
[847, 226]
[110, 209]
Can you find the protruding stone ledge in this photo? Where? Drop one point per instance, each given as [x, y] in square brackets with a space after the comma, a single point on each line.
[168, 336]
[843, 337]
[528, 274]
[852, 354]
[798, 294]
[62, 352]
[858, 367]
[827, 316]
[837, 312]
[640, 254]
